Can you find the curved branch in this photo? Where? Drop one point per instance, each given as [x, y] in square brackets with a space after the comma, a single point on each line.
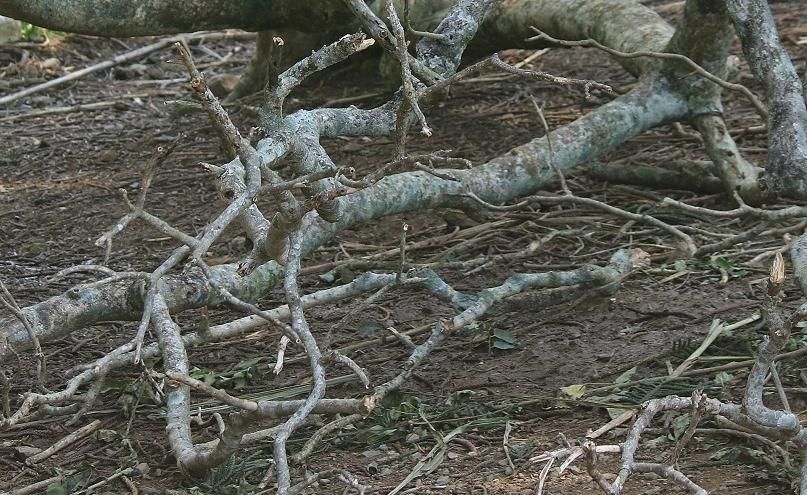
[521, 171]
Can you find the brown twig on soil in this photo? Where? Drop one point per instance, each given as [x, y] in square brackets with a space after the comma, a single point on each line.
[40, 485]
[338, 357]
[403, 338]
[117, 60]
[136, 211]
[698, 408]
[572, 198]
[7, 300]
[402, 261]
[64, 442]
[795, 211]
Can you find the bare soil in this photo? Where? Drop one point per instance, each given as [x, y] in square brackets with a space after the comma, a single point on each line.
[59, 181]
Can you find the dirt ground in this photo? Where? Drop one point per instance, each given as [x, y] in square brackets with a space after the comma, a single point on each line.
[59, 181]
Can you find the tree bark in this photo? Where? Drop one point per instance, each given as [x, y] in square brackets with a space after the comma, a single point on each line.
[124, 18]
[521, 171]
[787, 113]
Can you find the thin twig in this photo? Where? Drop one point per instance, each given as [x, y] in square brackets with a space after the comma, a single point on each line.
[402, 260]
[763, 112]
[11, 304]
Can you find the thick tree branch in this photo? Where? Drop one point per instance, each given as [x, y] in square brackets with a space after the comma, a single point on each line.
[787, 122]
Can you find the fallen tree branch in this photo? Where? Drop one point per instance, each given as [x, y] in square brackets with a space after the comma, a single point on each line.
[122, 58]
[784, 91]
[760, 108]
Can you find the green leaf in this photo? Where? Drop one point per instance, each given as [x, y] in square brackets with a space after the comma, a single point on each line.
[500, 344]
[574, 391]
[248, 363]
[720, 262]
[57, 488]
[107, 435]
[370, 328]
[680, 424]
[455, 398]
[626, 376]
[723, 377]
[504, 335]
[680, 265]
[204, 375]
[198, 373]
[615, 412]
[657, 442]
[115, 384]
[240, 379]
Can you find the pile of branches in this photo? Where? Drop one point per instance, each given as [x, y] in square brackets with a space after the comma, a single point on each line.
[681, 74]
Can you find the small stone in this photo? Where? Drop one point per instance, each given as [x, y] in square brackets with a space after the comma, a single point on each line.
[107, 156]
[412, 438]
[222, 84]
[24, 451]
[443, 481]
[51, 64]
[604, 357]
[142, 469]
[41, 101]
[9, 30]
